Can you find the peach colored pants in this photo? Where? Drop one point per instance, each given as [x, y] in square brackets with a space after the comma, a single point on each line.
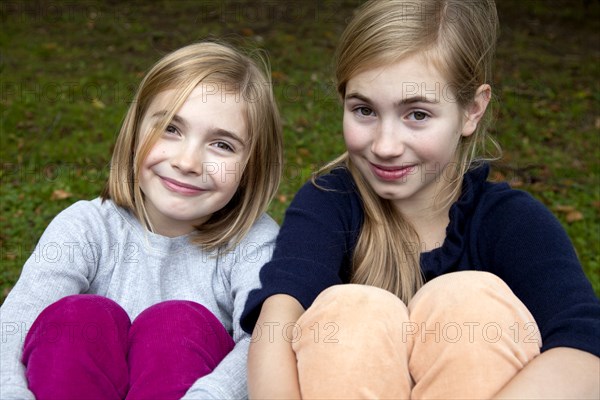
[464, 335]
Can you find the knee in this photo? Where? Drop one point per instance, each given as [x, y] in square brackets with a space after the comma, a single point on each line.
[358, 297]
[463, 286]
[476, 292]
[360, 304]
[177, 316]
[87, 318]
[174, 311]
[82, 308]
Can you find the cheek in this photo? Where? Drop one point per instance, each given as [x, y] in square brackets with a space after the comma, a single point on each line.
[156, 154]
[355, 136]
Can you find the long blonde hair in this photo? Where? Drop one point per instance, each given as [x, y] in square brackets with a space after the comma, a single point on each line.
[183, 70]
[458, 37]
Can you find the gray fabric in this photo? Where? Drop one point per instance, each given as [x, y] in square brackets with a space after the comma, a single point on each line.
[100, 248]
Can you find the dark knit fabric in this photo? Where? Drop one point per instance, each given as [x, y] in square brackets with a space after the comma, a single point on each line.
[492, 228]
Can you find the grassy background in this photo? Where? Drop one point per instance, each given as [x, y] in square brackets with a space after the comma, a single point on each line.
[69, 69]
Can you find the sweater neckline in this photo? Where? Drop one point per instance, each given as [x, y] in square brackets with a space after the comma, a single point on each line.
[153, 241]
[459, 214]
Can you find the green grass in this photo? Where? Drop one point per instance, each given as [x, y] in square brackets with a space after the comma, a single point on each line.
[68, 71]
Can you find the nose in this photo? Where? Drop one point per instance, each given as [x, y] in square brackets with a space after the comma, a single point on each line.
[187, 160]
[388, 141]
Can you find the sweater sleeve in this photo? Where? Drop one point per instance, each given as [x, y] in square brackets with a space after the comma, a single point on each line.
[57, 267]
[532, 253]
[229, 379]
[313, 246]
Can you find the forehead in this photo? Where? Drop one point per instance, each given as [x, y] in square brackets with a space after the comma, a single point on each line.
[207, 106]
[412, 76]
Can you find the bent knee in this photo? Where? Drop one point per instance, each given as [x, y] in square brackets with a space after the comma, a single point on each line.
[83, 307]
[356, 305]
[359, 297]
[463, 287]
[475, 294]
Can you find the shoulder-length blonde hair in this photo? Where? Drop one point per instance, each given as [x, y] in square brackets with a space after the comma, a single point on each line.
[183, 70]
[458, 37]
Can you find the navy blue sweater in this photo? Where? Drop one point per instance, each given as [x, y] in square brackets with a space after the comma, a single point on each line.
[492, 228]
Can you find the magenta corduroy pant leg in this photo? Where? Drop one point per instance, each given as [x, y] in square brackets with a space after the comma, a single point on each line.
[85, 347]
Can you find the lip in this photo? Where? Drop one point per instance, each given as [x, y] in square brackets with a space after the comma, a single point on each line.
[179, 187]
[391, 173]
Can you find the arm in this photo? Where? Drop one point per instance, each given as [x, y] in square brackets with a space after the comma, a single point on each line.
[239, 270]
[534, 256]
[311, 254]
[272, 372]
[557, 373]
[54, 270]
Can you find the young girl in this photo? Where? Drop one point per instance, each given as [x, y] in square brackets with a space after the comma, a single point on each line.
[459, 288]
[174, 245]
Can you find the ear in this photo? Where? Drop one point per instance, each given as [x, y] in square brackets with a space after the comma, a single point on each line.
[476, 109]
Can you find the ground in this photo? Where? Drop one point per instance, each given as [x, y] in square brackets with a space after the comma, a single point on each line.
[68, 71]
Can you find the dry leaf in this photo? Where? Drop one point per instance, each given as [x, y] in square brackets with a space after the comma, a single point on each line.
[516, 182]
[97, 103]
[278, 75]
[282, 198]
[303, 152]
[498, 176]
[563, 209]
[574, 216]
[247, 32]
[60, 194]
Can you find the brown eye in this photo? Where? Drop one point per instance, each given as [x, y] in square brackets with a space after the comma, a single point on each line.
[419, 116]
[224, 146]
[364, 111]
[171, 130]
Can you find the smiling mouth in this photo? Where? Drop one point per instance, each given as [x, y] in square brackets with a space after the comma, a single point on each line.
[391, 173]
[180, 187]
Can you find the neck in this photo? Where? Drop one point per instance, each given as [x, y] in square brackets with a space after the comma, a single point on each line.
[429, 217]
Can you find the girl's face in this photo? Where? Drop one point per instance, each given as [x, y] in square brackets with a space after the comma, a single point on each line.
[402, 126]
[195, 167]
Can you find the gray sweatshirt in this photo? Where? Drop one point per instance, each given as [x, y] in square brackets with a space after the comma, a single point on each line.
[100, 248]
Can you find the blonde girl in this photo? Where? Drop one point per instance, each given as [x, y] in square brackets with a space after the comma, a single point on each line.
[400, 272]
[138, 294]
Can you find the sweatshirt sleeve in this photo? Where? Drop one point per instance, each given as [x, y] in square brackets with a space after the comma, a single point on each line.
[229, 379]
[314, 244]
[532, 253]
[56, 268]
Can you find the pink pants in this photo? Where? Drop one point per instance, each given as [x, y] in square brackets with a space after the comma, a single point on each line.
[463, 336]
[85, 347]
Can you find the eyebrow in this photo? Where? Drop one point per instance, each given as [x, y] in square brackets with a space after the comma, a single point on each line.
[176, 118]
[214, 132]
[408, 100]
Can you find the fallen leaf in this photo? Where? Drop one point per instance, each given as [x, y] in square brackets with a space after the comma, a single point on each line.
[574, 216]
[282, 198]
[60, 194]
[498, 176]
[516, 182]
[97, 103]
[278, 75]
[247, 32]
[303, 152]
[563, 208]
